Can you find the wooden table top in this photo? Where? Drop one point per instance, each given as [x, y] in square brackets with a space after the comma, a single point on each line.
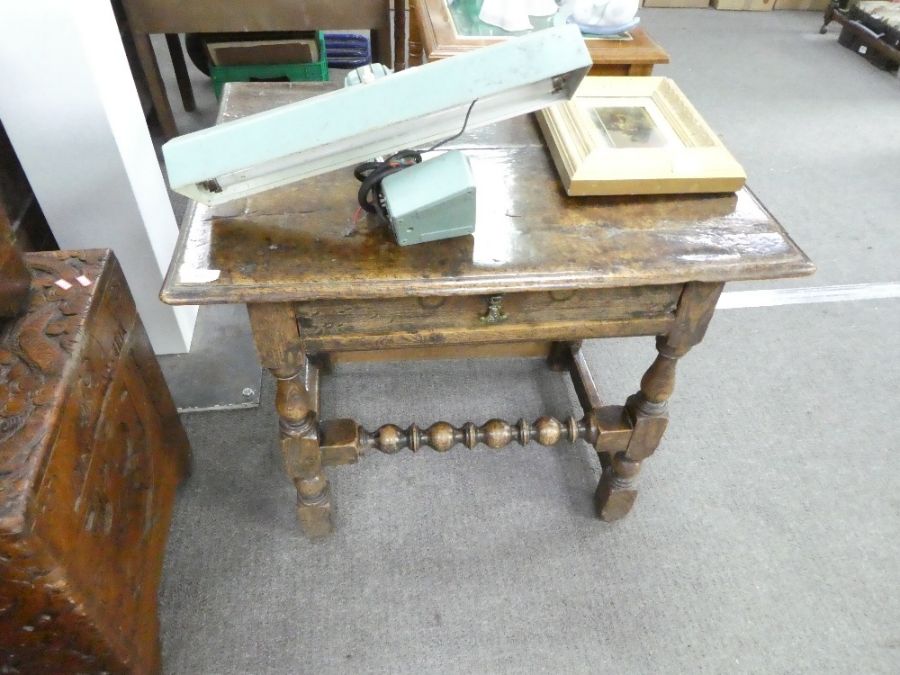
[302, 242]
[224, 16]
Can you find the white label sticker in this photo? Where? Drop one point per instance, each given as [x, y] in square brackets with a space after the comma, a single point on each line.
[190, 275]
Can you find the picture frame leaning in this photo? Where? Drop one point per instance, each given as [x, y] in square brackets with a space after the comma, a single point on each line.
[633, 136]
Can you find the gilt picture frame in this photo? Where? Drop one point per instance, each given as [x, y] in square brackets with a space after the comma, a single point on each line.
[635, 136]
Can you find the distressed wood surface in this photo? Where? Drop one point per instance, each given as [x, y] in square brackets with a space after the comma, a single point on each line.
[303, 241]
[91, 451]
[610, 57]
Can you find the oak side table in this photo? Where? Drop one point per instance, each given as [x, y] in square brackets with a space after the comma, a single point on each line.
[542, 272]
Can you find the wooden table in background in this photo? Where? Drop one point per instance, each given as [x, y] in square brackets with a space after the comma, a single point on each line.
[542, 272]
[172, 17]
[433, 31]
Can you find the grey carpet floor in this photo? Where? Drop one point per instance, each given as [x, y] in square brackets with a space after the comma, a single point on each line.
[814, 125]
[765, 538]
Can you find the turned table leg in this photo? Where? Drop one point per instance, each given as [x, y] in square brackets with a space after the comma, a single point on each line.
[182, 77]
[155, 84]
[647, 410]
[828, 18]
[277, 338]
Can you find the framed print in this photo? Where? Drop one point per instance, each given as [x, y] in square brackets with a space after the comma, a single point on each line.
[636, 135]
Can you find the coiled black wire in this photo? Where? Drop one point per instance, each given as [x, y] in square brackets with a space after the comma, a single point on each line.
[370, 174]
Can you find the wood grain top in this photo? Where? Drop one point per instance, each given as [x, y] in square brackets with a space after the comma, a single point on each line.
[224, 16]
[36, 351]
[306, 241]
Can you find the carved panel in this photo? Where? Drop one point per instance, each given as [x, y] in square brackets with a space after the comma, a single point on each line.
[33, 353]
[90, 455]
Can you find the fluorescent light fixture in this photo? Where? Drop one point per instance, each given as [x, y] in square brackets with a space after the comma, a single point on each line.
[408, 109]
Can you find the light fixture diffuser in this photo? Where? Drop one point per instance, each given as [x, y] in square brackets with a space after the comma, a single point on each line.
[409, 109]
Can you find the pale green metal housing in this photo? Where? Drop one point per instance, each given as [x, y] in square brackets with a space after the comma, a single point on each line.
[408, 109]
[432, 200]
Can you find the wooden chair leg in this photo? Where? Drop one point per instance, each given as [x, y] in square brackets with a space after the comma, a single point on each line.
[829, 15]
[381, 46]
[401, 22]
[181, 72]
[560, 357]
[155, 84]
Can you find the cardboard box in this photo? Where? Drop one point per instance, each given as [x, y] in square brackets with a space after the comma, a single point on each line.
[676, 3]
[750, 5]
[263, 52]
[816, 5]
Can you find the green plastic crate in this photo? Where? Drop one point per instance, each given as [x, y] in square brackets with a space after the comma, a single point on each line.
[316, 71]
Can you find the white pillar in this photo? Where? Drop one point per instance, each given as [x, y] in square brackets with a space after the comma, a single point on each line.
[71, 110]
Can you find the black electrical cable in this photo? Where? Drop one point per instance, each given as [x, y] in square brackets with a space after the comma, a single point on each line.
[461, 131]
[370, 174]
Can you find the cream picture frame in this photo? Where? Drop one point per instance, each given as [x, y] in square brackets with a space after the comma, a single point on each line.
[633, 136]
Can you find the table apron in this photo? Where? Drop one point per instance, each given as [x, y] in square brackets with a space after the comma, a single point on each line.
[341, 325]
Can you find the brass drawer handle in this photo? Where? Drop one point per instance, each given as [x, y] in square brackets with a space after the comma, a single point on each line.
[494, 313]
[431, 302]
[561, 296]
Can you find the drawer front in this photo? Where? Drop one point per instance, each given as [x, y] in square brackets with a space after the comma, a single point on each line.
[559, 315]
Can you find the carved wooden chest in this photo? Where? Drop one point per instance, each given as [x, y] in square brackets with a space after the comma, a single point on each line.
[91, 451]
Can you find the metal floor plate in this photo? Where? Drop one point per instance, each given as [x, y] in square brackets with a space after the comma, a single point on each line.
[222, 371]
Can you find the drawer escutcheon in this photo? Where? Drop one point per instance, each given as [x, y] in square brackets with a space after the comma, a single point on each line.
[494, 313]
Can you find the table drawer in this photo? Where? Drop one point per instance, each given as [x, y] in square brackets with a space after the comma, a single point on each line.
[557, 315]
